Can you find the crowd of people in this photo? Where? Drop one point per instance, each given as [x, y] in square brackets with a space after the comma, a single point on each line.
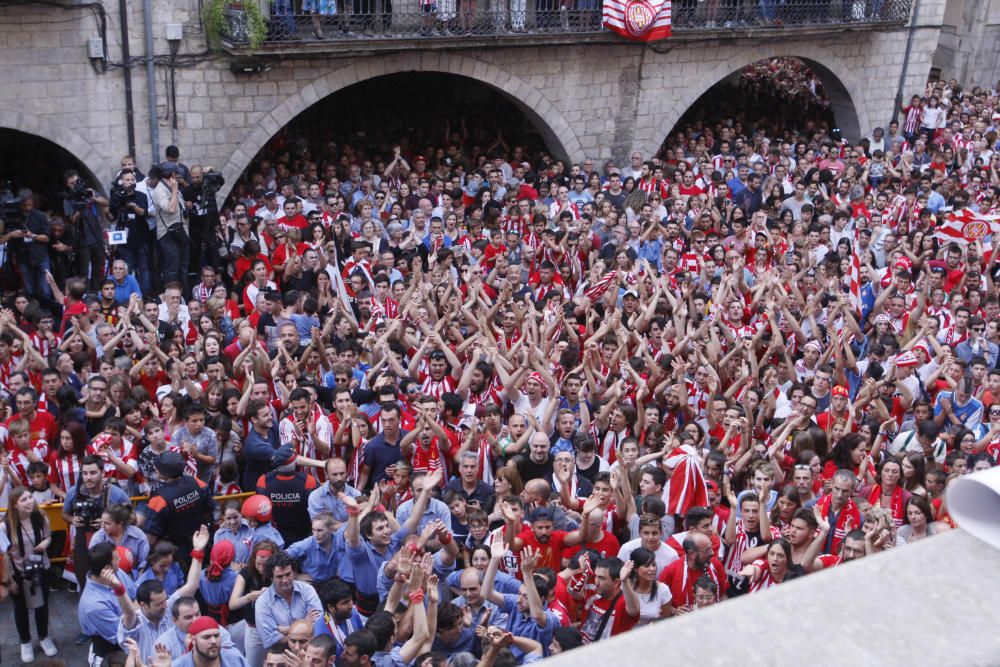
[460, 406]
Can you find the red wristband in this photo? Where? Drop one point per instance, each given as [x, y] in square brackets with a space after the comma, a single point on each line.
[445, 540]
[198, 554]
[417, 597]
[380, 508]
[353, 511]
[118, 589]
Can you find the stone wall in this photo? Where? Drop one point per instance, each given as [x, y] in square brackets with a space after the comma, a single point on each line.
[598, 100]
[969, 48]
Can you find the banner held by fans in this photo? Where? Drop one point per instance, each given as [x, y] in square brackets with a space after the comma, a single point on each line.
[638, 20]
[967, 226]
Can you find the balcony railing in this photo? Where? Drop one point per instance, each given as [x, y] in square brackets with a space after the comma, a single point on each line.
[359, 20]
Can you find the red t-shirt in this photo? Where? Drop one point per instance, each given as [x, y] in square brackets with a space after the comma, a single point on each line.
[607, 546]
[43, 429]
[550, 552]
[680, 579]
[619, 622]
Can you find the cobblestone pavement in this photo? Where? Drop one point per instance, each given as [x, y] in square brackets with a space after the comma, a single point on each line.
[63, 628]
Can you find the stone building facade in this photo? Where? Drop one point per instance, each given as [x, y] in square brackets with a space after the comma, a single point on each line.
[598, 98]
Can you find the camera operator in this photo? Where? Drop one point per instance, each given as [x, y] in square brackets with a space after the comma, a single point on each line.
[83, 507]
[171, 226]
[130, 209]
[203, 214]
[84, 209]
[62, 250]
[29, 238]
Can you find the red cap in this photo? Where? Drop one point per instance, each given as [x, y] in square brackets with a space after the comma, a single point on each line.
[840, 391]
[201, 624]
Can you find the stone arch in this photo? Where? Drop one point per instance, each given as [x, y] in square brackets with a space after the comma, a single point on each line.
[549, 121]
[58, 134]
[841, 85]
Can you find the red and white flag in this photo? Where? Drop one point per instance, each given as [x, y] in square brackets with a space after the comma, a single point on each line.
[638, 20]
[686, 487]
[967, 226]
[598, 289]
[856, 275]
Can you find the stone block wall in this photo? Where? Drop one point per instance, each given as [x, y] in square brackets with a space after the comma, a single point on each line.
[598, 100]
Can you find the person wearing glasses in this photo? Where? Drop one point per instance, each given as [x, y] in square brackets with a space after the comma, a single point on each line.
[977, 344]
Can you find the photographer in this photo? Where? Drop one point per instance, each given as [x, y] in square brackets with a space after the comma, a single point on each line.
[29, 534]
[28, 239]
[203, 213]
[130, 209]
[171, 226]
[84, 209]
[83, 507]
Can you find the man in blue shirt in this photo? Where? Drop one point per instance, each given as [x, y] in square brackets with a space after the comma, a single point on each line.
[527, 616]
[98, 611]
[261, 443]
[341, 617]
[435, 509]
[319, 555]
[324, 499]
[83, 506]
[125, 283]
[284, 601]
[382, 451]
[382, 537]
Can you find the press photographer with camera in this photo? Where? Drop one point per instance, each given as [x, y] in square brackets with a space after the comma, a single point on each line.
[203, 213]
[29, 534]
[86, 210]
[28, 238]
[83, 507]
[171, 226]
[130, 208]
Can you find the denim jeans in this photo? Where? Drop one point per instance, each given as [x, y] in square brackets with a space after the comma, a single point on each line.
[175, 253]
[35, 283]
[138, 265]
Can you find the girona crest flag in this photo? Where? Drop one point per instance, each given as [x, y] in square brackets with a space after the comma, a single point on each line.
[967, 226]
[638, 20]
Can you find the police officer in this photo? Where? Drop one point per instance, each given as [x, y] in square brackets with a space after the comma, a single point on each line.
[179, 506]
[289, 491]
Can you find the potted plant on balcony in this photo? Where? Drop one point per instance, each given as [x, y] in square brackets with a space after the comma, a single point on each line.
[234, 21]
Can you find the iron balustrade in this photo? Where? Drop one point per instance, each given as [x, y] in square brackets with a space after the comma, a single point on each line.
[357, 20]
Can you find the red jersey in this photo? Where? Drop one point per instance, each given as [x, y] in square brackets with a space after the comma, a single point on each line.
[680, 579]
[550, 552]
[593, 614]
[42, 430]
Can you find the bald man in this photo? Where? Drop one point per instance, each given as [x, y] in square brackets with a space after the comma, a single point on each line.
[699, 560]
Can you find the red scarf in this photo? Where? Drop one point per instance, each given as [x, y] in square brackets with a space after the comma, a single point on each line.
[848, 511]
[896, 504]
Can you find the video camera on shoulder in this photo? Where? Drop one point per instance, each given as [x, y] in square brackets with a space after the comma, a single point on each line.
[79, 195]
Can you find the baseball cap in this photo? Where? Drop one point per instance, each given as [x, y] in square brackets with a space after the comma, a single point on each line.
[170, 465]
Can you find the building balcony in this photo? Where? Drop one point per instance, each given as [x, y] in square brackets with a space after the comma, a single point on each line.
[372, 25]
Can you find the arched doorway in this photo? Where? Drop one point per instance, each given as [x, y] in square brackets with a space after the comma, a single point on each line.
[778, 96]
[419, 112]
[36, 163]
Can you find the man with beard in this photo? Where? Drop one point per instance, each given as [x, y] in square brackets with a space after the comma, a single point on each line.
[699, 560]
[541, 536]
[341, 617]
[479, 385]
[207, 648]
[606, 612]
[326, 498]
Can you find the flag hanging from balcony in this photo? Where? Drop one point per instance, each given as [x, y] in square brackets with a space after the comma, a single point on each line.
[638, 20]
